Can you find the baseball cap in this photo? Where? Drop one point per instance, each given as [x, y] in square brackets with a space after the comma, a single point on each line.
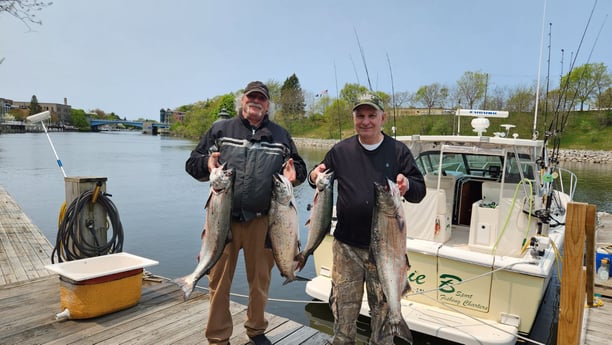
[370, 99]
[257, 86]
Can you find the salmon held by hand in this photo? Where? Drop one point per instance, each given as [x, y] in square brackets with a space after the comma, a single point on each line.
[216, 229]
[320, 219]
[283, 229]
[388, 251]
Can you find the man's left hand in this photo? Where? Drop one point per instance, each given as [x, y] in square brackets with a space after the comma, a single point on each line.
[289, 171]
[402, 183]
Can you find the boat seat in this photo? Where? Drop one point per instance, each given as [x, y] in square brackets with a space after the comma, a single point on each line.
[490, 191]
[429, 219]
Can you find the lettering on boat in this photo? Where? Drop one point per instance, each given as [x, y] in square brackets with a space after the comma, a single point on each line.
[453, 290]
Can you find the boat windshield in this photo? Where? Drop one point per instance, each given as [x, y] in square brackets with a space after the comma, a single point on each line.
[487, 166]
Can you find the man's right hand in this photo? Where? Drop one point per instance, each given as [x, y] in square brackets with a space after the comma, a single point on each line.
[316, 171]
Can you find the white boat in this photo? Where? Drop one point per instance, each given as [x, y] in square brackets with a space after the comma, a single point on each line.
[483, 243]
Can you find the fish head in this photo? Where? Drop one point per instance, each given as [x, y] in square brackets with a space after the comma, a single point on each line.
[221, 178]
[282, 190]
[325, 180]
[387, 195]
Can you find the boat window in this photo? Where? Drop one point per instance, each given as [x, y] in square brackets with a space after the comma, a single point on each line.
[523, 163]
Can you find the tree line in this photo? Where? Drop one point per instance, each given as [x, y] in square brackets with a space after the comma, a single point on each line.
[586, 87]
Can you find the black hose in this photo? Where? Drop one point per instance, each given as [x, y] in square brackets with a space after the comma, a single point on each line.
[70, 244]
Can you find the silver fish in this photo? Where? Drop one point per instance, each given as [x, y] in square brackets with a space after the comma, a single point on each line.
[283, 228]
[320, 219]
[216, 229]
[388, 251]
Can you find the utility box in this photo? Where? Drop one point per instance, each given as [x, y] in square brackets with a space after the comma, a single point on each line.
[92, 217]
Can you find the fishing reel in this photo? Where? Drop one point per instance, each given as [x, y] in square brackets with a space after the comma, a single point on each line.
[538, 245]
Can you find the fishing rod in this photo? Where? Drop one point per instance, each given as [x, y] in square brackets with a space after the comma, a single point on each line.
[365, 65]
[392, 97]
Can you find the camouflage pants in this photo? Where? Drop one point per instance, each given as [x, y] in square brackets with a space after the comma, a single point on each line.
[351, 268]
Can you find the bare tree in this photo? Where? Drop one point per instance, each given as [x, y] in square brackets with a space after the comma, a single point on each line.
[24, 10]
[431, 95]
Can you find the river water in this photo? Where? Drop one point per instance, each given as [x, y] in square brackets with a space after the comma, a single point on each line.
[161, 207]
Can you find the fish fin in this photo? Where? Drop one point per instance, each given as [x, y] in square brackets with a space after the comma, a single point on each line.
[186, 284]
[300, 261]
[289, 280]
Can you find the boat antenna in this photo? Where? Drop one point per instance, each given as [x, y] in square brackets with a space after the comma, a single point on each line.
[365, 65]
[534, 133]
[547, 73]
[394, 129]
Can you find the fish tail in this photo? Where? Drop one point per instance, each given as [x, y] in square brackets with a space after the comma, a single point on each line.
[399, 329]
[186, 284]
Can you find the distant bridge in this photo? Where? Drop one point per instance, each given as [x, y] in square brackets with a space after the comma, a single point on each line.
[153, 126]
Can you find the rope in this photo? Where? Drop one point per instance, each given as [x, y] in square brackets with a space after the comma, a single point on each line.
[71, 244]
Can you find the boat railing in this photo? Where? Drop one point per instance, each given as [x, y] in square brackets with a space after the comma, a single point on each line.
[572, 183]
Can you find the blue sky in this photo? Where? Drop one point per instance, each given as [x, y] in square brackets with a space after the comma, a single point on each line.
[135, 57]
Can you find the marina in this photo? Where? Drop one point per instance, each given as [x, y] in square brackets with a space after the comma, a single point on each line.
[29, 295]
[26, 169]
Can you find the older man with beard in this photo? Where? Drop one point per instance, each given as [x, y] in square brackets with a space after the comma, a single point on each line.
[256, 148]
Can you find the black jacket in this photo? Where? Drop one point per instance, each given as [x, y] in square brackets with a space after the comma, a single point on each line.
[355, 170]
[254, 153]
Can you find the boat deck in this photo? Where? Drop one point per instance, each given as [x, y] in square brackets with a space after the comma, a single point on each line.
[30, 299]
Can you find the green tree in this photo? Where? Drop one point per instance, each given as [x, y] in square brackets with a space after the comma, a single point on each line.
[520, 99]
[583, 82]
[34, 107]
[351, 92]
[472, 86]
[79, 120]
[291, 103]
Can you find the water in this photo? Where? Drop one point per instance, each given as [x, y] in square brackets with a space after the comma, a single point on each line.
[162, 208]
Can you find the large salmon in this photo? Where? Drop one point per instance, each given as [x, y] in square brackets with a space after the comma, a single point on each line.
[216, 229]
[388, 251]
[283, 228]
[320, 219]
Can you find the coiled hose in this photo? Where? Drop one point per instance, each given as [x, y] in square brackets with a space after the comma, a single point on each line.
[70, 245]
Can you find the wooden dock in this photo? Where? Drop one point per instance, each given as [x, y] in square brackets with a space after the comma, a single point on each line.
[30, 300]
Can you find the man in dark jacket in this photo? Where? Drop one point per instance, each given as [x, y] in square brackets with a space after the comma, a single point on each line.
[256, 148]
[357, 162]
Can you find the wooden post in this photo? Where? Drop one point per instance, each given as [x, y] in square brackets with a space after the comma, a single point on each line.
[573, 285]
[591, 215]
[93, 224]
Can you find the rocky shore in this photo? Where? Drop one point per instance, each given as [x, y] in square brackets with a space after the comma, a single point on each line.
[579, 156]
[586, 156]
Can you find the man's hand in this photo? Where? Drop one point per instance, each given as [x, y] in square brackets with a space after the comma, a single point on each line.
[213, 161]
[289, 171]
[316, 171]
[402, 183]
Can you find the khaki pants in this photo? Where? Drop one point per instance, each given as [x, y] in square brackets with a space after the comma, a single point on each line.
[250, 237]
[351, 268]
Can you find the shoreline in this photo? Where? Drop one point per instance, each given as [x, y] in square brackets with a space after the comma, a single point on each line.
[565, 155]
